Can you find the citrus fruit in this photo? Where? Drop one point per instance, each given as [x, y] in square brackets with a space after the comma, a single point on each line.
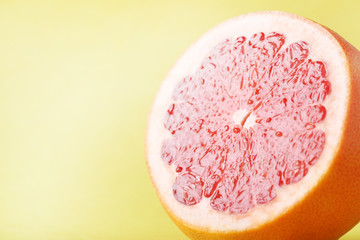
[254, 132]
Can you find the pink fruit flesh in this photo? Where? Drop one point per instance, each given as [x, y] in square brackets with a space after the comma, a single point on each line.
[216, 154]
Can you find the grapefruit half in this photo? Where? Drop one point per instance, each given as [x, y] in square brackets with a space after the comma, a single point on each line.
[254, 133]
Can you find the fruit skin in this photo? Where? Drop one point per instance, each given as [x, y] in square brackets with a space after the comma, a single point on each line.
[332, 207]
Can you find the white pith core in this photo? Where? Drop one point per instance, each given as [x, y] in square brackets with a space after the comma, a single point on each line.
[323, 47]
[241, 117]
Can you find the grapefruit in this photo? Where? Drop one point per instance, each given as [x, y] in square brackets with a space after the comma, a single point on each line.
[254, 132]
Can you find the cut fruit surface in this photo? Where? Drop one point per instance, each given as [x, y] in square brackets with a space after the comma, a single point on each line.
[219, 153]
[253, 132]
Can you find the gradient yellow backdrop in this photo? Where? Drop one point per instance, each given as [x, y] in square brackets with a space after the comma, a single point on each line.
[77, 79]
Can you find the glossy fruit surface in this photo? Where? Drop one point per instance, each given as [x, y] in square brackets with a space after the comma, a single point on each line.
[249, 134]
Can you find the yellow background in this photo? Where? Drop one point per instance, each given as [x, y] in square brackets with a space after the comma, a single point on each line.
[77, 79]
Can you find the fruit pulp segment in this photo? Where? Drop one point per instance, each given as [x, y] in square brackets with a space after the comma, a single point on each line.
[244, 123]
